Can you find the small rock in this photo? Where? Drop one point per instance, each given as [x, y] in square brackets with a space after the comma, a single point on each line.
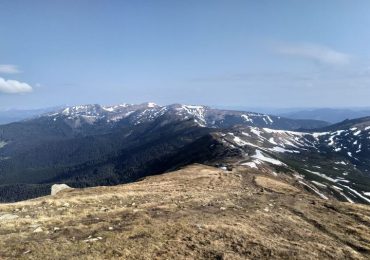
[93, 239]
[7, 217]
[58, 187]
[56, 228]
[66, 205]
[38, 230]
[266, 209]
[110, 228]
[222, 208]
[199, 226]
[34, 225]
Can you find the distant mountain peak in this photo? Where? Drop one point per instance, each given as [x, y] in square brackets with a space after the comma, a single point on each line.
[203, 116]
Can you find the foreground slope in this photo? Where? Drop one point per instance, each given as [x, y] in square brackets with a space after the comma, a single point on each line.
[194, 213]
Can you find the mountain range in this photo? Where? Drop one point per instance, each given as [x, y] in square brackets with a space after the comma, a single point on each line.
[93, 145]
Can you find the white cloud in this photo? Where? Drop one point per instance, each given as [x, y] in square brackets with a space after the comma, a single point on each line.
[14, 87]
[9, 69]
[318, 53]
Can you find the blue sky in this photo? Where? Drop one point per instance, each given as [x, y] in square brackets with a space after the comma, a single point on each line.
[291, 53]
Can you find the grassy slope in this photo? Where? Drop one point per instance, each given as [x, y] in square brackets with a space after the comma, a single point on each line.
[198, 212]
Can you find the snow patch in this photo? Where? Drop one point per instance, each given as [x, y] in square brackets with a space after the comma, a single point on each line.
[315, 190]
[247, 118]
[251, 164]
[356, 193]
[321, 175]
[260, 156]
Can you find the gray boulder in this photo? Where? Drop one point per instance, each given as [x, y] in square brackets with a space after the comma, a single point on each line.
[59, 187]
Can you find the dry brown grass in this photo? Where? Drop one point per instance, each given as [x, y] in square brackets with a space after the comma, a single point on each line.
[198, 212]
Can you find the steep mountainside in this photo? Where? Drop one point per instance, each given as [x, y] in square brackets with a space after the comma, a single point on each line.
[335, 163]
[198, 212]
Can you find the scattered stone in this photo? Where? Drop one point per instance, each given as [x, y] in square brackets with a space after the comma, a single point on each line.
[199, 226]
[56, 229]
[7, 217]
[66, 205]
[266, 209]
[92, 239]
[34, 225]
[27, 252]
[58, 187]
[38, 230]
[222, 208]
[110, 228]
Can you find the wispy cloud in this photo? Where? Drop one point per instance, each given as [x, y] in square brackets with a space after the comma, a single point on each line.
[9, 69]
[14, 87]
[318, 53]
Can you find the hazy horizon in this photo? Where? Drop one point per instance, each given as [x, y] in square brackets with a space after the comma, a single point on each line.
[231, 107]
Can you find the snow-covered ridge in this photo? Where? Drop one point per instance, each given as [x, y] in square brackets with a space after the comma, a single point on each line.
[202, 115]
[205, 116]
[92, 113]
